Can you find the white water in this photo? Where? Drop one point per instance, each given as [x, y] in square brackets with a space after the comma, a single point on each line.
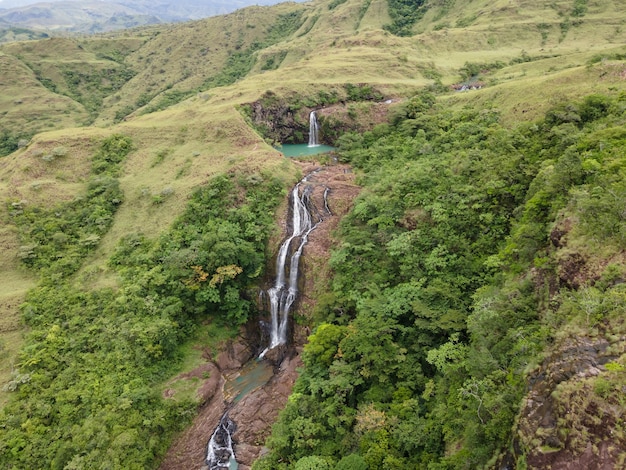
[313, 130]
[284, 292]
[220, 453]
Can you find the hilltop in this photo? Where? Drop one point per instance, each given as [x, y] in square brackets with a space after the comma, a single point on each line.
[157, 129]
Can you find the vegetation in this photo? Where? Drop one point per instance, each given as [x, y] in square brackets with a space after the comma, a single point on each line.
[485, 253]
[10, 142]
[88, 371]
[55, 240]
[91, 89]
[437, 309]
[335, 3]
[404, 14]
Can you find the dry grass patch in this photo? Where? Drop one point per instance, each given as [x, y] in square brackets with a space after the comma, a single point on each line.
[53, 168]
[528, 98]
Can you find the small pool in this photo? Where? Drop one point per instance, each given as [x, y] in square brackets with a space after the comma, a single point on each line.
[254, 374]
[303, 150]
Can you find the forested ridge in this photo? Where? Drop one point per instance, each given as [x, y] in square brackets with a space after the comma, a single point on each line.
[456, 271]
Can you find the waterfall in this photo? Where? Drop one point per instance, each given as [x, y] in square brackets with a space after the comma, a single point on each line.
[313, 130]
[305, 216]
[283, 294]
[220, 453]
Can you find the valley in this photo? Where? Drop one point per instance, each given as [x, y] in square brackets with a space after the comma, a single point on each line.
[461, 308]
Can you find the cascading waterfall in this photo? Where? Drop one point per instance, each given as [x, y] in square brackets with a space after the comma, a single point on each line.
[220, 453]
[313, 130]
[305, 217]
[283, 294]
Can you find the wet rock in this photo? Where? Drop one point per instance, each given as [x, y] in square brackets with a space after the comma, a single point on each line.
[234, 355]
[190, 448]
[257, 411]
[276, 355]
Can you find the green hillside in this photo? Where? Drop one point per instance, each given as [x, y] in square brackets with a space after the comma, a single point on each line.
[473, 318]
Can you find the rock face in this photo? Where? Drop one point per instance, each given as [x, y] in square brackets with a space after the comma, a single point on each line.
[278, 120]
[258, 410]
[255, 412]
[564, 422]
[287, 122]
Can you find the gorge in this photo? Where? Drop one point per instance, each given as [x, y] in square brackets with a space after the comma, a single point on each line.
[246, 390]
[305, 217]
[470, 315]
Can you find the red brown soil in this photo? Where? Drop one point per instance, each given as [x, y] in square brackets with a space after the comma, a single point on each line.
[257, 411]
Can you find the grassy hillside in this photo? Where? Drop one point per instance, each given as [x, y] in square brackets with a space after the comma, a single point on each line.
[175, 92]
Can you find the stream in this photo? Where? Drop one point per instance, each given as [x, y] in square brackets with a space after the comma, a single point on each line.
[304, 216]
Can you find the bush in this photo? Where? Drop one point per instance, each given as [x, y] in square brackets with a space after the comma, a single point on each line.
[312, 463]
[351, 462]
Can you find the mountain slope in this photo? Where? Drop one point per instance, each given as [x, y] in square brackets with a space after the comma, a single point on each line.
[152, 131]
[101, 16]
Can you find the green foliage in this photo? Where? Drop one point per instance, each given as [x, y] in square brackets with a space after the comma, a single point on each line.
[89, 85]
[312, 463]
[241, 62]
[362, 92]
[335, 3]
[84, 390]
[85, 83]
[285, 25]
[237, 66]
[11, 141]
[169, 98]
[90, 360]
[274, 61]
[351, 462]
[56, 240]
[438, 306]
[596, 58]
[466, 21]
[111, 153]
[472, 70]
[404, 14]
[580, 8]
[213, 251]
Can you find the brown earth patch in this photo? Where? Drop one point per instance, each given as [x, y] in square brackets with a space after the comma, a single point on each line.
[343, 190]
[564, 424]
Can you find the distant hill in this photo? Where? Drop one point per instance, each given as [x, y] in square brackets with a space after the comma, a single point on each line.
[10, 33]
[102, 16]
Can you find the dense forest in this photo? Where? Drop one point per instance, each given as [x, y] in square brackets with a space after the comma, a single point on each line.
[464, 258]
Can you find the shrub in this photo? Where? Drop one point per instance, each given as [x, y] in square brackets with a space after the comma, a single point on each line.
[352, 462]
[312, 463]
